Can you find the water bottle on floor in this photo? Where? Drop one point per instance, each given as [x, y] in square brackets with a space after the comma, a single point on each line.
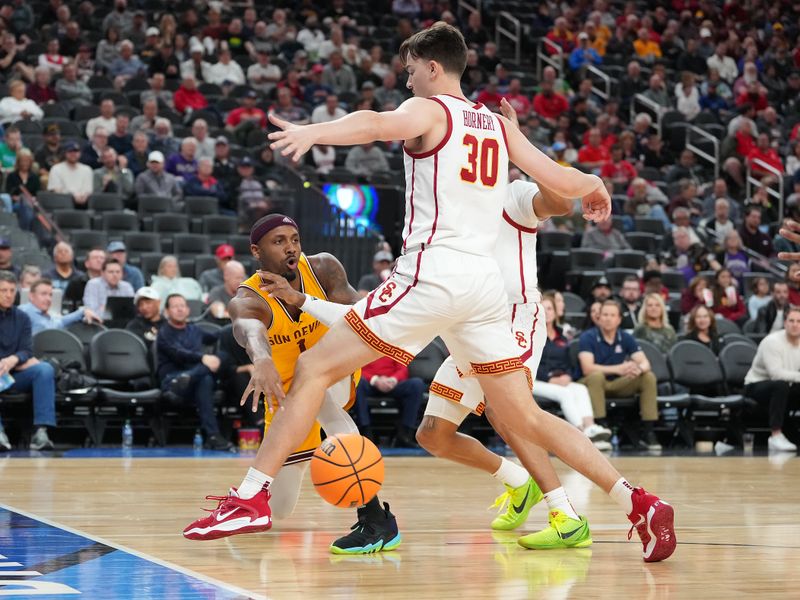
[197, 444]
[127, 435]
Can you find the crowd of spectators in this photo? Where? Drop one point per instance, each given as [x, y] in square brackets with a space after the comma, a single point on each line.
[139, 99]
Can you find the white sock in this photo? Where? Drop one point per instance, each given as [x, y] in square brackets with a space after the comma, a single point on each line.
[621, 494]
[511, 473]
[253, 482]
[557, 499]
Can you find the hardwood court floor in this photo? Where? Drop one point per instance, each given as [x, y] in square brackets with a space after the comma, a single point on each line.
[738, 527]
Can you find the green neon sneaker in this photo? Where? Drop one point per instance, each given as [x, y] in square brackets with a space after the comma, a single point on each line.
[563, 532]
[520, 501]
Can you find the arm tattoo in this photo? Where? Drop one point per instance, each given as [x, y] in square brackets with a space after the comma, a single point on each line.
[333, 278]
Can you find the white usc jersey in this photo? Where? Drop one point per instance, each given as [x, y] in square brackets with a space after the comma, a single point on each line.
[515, 252]
[455, 193]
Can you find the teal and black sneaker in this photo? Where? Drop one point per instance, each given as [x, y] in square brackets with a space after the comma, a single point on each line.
[375, 531]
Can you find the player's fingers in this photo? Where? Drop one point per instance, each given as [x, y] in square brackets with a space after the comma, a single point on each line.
[250, 388]
[289, 149]
[789, 256]
[277, 135]
[791, 224]
[277, 121]
[790, 235]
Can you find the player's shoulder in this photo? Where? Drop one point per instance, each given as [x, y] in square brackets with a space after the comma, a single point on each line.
[326, 267]
[518, 204]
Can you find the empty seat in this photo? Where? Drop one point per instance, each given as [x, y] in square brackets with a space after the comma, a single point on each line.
[170, 223]
[629, 259]
[202, 263]
[102, 202]
[198, 206]
[647, 225]
[586, 258]
[617, 276]
[191, 243]
[219, 228]
[148, 263]
[120, 222]
[645, 242]
[61, 345]
[85, 332]
[83, 240]
[149, 204]
[142, 241]
[72, 219]
[240, 243]
[554, 240]
[51, 201]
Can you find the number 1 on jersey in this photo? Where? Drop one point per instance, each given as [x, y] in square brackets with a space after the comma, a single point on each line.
[489, 153]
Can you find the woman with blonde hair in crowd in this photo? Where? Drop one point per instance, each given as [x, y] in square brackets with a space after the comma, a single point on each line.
[654, 324]
[169, 281]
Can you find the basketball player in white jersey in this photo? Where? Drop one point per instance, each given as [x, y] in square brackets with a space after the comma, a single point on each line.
[446, 282]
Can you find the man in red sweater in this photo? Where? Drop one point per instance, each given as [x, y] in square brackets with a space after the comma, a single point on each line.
[594, 155]
[385, 377]
[188, 97]
[765, 153]
[548, 104]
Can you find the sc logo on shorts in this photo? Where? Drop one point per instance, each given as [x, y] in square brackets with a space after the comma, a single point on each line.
[387, 291]
[522, 342]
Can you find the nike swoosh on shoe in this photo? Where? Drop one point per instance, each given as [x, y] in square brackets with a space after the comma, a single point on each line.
[521, 507]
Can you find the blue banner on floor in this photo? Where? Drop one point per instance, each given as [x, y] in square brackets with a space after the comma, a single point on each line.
[46, 561]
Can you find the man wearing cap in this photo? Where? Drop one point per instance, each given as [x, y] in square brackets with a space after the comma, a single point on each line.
[113, 177]
[225, 170]
[147, 322]
[195, 66]
[601, 290]
[211, 278]
[252, 203]
[50, 153]
[366, 159]
[156, 181]
[109, 284]
[583, 54]
[381, 267]
[232, 276]
[315, 91]
[131, 274]
[247, 112]
[151, 43]
[71, 176]
[262, 75]
[329, 111]
[40, 300]
[7, 257]
[187, 97]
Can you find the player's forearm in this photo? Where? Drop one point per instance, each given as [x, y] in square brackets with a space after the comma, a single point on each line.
[549, 204]
[360, 127]
[325, 312]
[251, 334]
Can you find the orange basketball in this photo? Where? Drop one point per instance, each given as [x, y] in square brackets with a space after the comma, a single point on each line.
[347, 470]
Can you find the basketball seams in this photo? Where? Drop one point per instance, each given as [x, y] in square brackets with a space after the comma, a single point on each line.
[355, 472]
[361, 470]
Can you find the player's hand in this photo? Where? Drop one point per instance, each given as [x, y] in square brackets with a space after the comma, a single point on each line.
[597, 205]
[277, 287]
[294, 140]
[508, 112]
[791, 231]
[264, 380]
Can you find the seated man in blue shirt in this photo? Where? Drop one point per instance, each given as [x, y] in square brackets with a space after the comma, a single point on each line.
[185, 369]
[16, 359]
[612, 364]
[40, 299]
[131, 274]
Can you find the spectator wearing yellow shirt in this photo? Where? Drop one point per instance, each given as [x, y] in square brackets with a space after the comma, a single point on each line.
[645, 48]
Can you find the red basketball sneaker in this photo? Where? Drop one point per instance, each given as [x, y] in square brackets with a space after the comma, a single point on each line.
[653, 520]
[232, 516]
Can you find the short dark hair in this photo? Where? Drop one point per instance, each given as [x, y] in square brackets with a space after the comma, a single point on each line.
[40, 282]
[110, 261]
[629, 278]
[440, 42]
[170, 297]
[750, 208]
[614, 303]
[791, 308]
[8, 277]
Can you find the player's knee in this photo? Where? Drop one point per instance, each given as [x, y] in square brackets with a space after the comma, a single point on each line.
[434, 439]
[595, 377]
[308, 368]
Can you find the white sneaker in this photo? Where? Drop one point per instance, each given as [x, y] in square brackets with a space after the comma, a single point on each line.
[779, 443]
[40, 440]
[602, 445]
[4, 443]
[597, 433]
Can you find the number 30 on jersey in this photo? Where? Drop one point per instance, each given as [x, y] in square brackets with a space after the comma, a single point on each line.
[482, 160]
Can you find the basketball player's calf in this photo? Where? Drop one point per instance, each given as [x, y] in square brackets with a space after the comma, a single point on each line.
[506, 400]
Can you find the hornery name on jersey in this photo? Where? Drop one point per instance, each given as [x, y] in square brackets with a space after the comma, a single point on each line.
[478, 120]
